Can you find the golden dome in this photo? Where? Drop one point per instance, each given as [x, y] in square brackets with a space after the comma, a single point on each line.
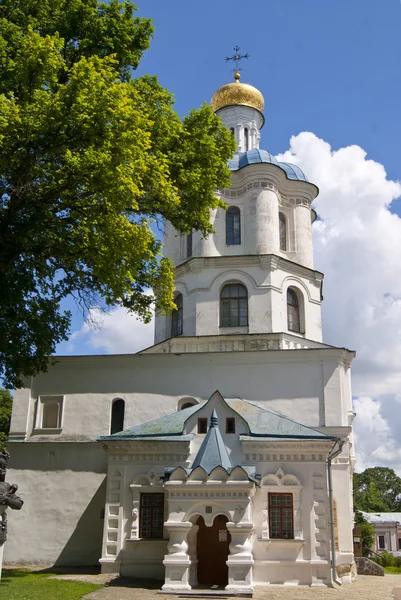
[237, 93]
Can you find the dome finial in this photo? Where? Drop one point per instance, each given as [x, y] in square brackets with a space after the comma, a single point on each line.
[237, 75]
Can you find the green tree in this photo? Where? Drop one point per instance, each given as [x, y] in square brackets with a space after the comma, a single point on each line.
[90, 158]
[6, 402]
[367, 532]
[377, 489]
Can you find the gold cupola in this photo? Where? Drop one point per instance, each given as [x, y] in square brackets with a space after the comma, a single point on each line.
[237, 93]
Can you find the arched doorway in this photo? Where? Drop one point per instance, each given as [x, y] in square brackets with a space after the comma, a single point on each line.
[213, 550]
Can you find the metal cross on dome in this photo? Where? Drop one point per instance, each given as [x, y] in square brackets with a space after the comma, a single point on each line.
[236, 58]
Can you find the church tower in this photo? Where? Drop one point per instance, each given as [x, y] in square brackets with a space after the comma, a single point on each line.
[255, 273]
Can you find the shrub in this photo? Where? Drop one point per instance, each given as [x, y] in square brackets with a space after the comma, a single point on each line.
[388, 560]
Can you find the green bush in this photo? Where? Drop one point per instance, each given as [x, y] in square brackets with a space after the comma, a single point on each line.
[388, 560]
[397, 561]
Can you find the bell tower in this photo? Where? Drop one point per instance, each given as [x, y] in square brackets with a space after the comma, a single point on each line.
[255, 273]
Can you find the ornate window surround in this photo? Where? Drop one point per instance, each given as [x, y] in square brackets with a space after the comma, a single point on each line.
[145, 484]
[280, 483]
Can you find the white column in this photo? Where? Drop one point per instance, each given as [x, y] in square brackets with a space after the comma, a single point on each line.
[240, 559]
[177, 561]
[266, 223]
[193, 556]
[303, 235]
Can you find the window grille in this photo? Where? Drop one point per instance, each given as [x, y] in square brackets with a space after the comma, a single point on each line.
[281, 518]
[293, 311]
[176, 317]
[283, 232]
[151, 516]
[234, 306]
[233, 226]
[189, 244]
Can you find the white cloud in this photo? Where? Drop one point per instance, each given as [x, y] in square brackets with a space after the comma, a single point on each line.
[115, 332]
[357, 244]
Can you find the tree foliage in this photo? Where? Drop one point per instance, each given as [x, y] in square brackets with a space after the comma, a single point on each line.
[90, 157]
[367, 532]
[377, 489]
[6, 402]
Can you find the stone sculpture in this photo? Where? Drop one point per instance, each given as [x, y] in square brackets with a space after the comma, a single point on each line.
[8, 496]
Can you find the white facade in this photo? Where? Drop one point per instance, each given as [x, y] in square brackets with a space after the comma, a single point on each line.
[83, 497]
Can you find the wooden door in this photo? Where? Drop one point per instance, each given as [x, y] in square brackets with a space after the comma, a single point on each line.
[213, 549]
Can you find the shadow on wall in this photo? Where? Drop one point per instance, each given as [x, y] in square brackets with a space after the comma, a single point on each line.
[84, 547]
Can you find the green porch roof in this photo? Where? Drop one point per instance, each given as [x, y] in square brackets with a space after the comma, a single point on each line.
[261, 423]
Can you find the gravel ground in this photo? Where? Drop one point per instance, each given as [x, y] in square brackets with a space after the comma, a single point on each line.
[365, 588]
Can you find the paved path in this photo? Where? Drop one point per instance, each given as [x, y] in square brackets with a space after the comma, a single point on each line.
[365, 588]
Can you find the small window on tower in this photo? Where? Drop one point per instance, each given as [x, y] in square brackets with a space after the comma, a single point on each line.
[189, 244]
[283, 232]
[230, 425]
[233, 226]
[202, 425]
[246, 139]
[293, 320]
[176, 317]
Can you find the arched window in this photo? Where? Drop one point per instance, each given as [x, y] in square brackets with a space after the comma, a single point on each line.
[187, 405]
[189, 244]
[232, 131]
[176, 317]
[293, 320]
[246, 139]
[117, 416]
[233, 305]
[233, 226]
[283, 232]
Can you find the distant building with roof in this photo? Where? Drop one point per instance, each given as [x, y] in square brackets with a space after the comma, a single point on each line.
[223, 454]
[387, 528]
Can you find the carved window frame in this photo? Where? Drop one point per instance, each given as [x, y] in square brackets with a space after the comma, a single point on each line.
[280, 483]
[145, 484]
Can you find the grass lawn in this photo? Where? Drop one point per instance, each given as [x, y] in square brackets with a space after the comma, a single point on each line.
[390, 570]
[21, 584]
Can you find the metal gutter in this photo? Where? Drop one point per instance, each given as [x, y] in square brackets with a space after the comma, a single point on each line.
[331, 508]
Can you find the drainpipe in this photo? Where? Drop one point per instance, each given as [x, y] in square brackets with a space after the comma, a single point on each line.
[331, 507]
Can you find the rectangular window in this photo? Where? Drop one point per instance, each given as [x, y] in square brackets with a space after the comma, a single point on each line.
[151, 516]
[49, 412]
[230, 425]
[281, 519]
[202, 425]
[381, 542]
[399, 543]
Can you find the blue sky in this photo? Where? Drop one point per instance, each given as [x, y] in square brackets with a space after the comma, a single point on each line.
[331, 67]
[330, 76]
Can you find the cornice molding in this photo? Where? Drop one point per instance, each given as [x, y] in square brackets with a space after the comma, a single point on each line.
[270, 262]
[270, 177]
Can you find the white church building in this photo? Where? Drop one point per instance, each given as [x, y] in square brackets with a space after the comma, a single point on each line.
[223, 454]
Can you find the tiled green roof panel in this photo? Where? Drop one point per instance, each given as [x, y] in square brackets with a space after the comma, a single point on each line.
[261, 422]
[172, 424]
